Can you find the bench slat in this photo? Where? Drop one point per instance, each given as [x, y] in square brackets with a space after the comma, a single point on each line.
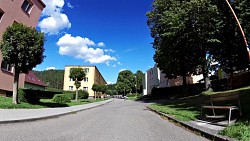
[221, 107]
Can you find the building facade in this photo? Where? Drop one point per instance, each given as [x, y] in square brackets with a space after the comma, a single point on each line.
[21, 11]
[93, 76]
[155, 78]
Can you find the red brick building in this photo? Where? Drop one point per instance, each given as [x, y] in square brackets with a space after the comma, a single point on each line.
[21, 11]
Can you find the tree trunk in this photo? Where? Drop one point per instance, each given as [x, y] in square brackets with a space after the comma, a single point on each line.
[76, 95]
[184, 83]
[95, 94]
[15, 87]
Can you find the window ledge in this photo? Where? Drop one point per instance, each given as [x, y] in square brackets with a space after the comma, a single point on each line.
[7, 72]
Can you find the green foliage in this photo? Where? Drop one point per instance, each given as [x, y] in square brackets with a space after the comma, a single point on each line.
[28, 96]
[94, 87]
[138, 81]
[100, 88]
[125, 82]
[22, 47]
[53, 78]
[183, 36]
[82, 94]
[112, 92]
[77, 74]
[61, 98]
[179, 113]
[240, 131]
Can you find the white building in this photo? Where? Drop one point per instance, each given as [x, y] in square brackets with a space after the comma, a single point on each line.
[155, 78]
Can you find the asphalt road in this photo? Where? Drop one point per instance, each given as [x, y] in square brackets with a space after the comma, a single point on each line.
[117, 121]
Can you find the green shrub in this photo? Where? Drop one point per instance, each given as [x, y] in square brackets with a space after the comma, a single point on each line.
[28, 96]
[82, 94]
[61, 98]
[71, 94]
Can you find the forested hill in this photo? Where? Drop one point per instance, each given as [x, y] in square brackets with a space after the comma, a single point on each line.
[53, 78]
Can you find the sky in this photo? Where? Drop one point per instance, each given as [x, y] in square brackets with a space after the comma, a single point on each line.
[110, 34]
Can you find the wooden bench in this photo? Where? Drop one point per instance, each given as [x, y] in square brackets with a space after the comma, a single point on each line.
[225, 101]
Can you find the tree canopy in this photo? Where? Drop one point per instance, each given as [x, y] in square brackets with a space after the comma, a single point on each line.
[187, 32]
[138, 81]
[22, 48]
[125, 82]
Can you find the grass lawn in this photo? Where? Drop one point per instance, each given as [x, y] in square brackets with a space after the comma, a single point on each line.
[6, 103]
[188, 108]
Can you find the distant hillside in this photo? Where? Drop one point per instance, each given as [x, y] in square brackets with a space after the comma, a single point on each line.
[53, 78]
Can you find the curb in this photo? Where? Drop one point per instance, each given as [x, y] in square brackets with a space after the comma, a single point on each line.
[197, 130]
[52, 116]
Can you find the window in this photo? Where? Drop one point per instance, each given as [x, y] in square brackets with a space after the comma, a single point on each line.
[71, 88]
[85, 88]
[86, 70]
[26, 6]
[1, 14]
[6, 66]
[70, 79]
[86, 79]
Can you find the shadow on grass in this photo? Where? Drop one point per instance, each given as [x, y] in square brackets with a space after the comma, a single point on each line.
[52, 105]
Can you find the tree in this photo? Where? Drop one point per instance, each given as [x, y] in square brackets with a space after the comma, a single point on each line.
[22, 48]
[125, 82]
[77, 74]
[103, 89]
[94, 88]
[54, 78]
[183, 36]
[138, 81]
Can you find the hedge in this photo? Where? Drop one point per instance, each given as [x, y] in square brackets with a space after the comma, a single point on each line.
[61, 98]
[28, 96]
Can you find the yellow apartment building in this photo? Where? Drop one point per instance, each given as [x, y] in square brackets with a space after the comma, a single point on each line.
[93, 76]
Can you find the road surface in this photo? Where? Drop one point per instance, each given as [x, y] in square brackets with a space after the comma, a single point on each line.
[120, 120]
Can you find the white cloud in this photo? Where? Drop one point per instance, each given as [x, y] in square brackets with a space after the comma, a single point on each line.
[79, 47]
[70, 6]
[54, 20]
[114, 66]
[122, 70]
[109, 83]
[50, 68]
[119, 63]
[101, 44]
[109, 50]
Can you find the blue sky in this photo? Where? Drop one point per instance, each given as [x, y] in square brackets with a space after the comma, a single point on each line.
[110, 34]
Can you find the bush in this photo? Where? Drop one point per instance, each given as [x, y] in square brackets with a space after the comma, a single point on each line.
[219, 85]
[178, 91]
[82, 94]
[28, 96]
[61, 98]
[47, 94]
[71, 94]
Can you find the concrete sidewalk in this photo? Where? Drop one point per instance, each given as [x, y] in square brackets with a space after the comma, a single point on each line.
[23, 115]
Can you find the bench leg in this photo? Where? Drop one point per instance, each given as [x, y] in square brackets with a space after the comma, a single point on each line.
[213, 111]
[229, 117]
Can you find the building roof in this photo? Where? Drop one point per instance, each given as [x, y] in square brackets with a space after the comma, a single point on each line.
[42, 3]
[33, 79]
